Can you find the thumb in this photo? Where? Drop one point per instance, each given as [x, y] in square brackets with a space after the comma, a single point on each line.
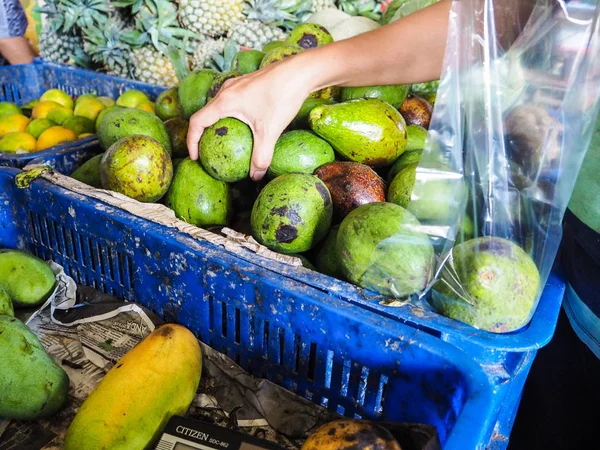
[262, 155]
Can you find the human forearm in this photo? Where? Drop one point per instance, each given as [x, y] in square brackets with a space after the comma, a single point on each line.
[16, 50]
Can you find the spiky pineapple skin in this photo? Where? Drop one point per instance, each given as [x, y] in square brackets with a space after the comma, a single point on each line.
[153, 67]
[205, 51]
[58, 48]
[210, 17]
[255, 34]
[320, 5]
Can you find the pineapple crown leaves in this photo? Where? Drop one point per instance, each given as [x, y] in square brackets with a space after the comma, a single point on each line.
[366, 8]
[54, 14]
[135, 5]
[105, 46]
[157, 25]
[224, 62]
[86, 14]
[283, 13]
[176, 52]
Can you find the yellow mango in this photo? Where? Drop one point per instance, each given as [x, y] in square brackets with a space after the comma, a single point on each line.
[129, 409]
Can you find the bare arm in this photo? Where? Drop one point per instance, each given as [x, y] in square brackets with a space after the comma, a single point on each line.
[16, 50]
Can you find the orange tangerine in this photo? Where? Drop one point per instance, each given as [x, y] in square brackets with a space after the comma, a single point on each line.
[13, 123]
[58, 96]
[54, 136]
[89, 107]
[41, 110]
[13, 142]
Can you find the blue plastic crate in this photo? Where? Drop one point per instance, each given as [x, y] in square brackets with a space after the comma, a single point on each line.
[22, 84]
[333, 352]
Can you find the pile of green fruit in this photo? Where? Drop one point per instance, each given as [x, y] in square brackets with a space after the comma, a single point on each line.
[32, 385]
[325, 198]
[56, 118]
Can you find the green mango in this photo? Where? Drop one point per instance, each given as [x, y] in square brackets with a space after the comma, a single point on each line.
[309, 35]
[89, 172]
[6, 306]
[490, 283]
[32, 385]
[178, 130]
[226, 150]
[367, 131]
[193, 91]
[124, 122]
[27, 280]
[292, 213]
[198, 198]
[301, 119]
[279, 54]
[394, 95]
[379, 247]
[327, 260]
[167, 104]
[300, 151]
[247, 61]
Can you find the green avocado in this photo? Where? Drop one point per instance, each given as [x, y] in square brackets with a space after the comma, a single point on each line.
[193, 91]
[226, 150]
[123, 122]
[137, 166]
[32, 385]
[198, 198]
[272, 46]
[301, 119]
[27, 280]
[218, 82]
[309, 35]
[490, 283]
[103, 113]
[327, 260]
[292, 213]
[247, 61]
[299, 151]
[89, 172]
[279, 54]
[167, 104]
[367, 131]
[178, 130]
[394, 95]
[379, 247]
[6, 306]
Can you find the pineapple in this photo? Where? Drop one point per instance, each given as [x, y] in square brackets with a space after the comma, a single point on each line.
[106, 48]
[266, 21]
[320, 5]
[152, 66]
[366, 8]
[56, 44]
[209, 17]
[205, 52]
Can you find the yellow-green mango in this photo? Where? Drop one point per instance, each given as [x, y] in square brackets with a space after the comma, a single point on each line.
[27, 280]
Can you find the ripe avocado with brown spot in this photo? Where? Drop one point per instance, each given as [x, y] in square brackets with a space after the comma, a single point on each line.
[380, 248]
[167, 104]
[416, 111]
[218, 83]
[367, 131]
[198, 198]
[309, 35]
[292, 213]
[279, 54]
[490, 283]
[226, 150]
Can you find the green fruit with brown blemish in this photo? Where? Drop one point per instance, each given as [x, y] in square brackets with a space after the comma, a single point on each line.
[301, 119]
[123, 122]
[368, 131]
[27, 280]
[329, 93]
[379, 247]
[226, 150]
[416, 111]
[32, 385]
[197, 198]
[167, 104]
[326, 260]
[89, 172]
[6, 306]
[103, 113]
[490, 283]
[394, 95]
[137, 166]
[247, 61]
[309, 35]
[178, 130]
[272, 46]
[279, 54]
[218, 84]
[193, 91]
[292, 213]
[299, 151]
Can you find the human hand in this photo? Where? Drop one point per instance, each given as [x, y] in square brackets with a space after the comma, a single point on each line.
[266, 101]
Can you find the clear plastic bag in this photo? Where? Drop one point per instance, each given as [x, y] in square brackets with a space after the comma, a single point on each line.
[514, 116]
